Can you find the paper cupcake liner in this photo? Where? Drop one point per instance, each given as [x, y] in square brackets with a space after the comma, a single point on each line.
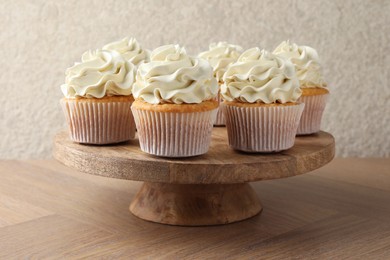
[171, 134]
[220, 119]
[99, 122]
[262, 129]
[312, 114]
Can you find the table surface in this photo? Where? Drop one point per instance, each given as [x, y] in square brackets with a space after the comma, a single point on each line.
[50, 211]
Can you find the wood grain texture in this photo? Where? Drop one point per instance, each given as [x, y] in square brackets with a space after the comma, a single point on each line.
[340, 211]
[15, 210]
[220, 165]
[195, 204]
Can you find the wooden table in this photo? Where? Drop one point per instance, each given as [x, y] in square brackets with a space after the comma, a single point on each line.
[50, 211]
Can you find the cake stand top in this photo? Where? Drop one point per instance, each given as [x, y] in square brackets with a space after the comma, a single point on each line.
[220, 165]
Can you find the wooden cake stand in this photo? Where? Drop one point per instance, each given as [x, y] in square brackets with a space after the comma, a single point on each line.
[205, 190]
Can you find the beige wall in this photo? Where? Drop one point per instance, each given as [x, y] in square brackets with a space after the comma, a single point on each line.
[40, 39]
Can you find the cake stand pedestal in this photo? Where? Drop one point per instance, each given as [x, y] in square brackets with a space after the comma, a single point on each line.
[210, 189]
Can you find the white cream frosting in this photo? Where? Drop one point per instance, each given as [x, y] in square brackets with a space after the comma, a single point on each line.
[220, 55]
[130, 49]
[261, 77]
[100, 73]
[306, 61]
[172, 76]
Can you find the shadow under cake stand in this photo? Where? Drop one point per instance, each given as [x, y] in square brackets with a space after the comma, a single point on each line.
[209, 189]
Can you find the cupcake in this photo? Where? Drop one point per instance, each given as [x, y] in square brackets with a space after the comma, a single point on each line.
[314, 89]
[174, 107]
[98, 97]
[261, 109]
[130, 50]
[220, 55]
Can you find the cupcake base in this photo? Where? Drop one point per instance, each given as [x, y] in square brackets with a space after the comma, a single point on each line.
[99, 121]
[312, 114]
[220, 119]
[261, 127]
[169, 131]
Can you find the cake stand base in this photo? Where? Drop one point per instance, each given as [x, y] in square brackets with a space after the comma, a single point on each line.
[195, 204]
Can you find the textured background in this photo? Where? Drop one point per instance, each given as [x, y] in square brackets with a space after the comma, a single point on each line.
[40, 39]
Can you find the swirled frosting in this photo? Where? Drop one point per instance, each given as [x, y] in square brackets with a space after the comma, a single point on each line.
[130, 49]
[220, 55]
[260, 77]
[100, 73]
[306, 61]
[172, 76]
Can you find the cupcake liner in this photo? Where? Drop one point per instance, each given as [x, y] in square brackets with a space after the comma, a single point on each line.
[263, 128]
[99, 122]
[171, 134]
[220, 119]
[312, 114]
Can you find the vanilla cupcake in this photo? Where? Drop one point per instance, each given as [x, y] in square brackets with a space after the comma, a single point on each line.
[261, 109]
[174, 107]
[130, 50]
[314, 88]
[220, 55]
[98, 97]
